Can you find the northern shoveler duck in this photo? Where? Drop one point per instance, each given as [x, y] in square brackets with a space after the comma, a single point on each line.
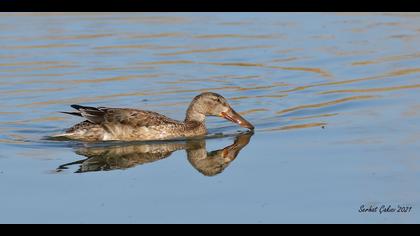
[103, 123]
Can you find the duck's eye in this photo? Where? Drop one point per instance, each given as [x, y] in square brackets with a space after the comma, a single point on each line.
[219, 100]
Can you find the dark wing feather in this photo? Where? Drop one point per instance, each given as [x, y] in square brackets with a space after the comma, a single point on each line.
[92, 114]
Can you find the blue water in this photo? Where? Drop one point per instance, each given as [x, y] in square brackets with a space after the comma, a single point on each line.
[334, 98]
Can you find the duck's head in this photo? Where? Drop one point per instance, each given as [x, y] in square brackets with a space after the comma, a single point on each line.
[213, 104]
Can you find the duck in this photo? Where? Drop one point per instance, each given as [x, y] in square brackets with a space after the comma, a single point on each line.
[128, 124]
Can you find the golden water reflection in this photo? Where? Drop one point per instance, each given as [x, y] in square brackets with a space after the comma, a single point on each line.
[277, 73]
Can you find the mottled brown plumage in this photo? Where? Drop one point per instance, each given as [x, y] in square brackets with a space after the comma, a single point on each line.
[131, 124]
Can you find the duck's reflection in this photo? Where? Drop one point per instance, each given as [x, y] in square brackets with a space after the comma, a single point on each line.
[127, 156]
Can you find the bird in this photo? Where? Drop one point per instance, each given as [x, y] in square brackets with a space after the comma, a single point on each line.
[127, 124]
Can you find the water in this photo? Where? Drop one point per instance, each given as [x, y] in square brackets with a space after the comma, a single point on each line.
[334, 98]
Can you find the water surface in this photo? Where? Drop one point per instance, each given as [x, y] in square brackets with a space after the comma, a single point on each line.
[334, 98]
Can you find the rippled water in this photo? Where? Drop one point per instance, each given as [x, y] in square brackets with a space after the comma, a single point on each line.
[334, 98]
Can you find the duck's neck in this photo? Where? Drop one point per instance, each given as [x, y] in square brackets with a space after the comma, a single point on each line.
[194, 114]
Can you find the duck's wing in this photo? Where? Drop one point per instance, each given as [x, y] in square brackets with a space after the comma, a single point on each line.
[122, 116]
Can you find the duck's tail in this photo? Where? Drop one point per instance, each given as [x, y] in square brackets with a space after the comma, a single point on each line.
[72, 113]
